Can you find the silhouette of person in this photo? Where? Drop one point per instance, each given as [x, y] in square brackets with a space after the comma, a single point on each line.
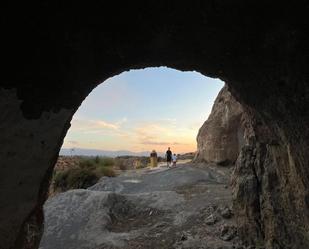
[168, 155]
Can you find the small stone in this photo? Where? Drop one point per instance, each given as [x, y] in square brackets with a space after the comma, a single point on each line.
[227, 232]
[211, 209]
[211, 219]
[226, 213]
[183, 237]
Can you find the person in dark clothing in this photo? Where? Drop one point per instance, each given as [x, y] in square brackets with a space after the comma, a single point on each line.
[168, 156]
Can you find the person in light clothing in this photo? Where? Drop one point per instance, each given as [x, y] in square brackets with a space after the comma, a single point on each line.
[174, 159]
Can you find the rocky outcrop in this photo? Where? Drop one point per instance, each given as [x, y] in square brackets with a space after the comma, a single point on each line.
[264, 202]
[221, 137]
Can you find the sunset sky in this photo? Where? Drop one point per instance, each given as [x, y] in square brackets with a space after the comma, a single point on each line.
[146, 109]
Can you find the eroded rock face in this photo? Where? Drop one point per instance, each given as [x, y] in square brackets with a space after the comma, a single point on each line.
[262, 202]
[56, 54]
[221, 137]
[28, 151]
[269, 201]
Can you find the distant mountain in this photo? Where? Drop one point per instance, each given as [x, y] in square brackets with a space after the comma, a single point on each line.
[109, 153]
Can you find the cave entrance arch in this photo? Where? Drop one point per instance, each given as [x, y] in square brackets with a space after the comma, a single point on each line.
[64, 54]
[162, 77]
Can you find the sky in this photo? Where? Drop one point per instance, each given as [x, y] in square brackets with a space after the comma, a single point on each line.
[142, 110]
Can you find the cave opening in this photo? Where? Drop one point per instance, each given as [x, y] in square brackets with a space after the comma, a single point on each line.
[140, 111]
[56, 54]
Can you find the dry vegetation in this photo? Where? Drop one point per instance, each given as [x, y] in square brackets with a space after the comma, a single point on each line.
[80, 172]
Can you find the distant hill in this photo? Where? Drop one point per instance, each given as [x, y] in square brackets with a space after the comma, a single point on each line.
[109, 153]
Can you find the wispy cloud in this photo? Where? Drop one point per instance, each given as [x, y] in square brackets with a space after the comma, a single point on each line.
[103, 124]
[149, 142]
[95, 126]
[157, 133]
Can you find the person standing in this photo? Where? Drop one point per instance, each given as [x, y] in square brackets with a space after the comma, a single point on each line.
[168, 155]
[174, 159]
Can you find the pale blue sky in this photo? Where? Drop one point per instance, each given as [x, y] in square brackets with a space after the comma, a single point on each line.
[144, 109]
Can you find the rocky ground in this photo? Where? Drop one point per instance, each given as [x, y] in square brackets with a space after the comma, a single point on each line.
[184, 207]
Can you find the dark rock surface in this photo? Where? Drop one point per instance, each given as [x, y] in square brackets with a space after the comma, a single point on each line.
[55, 54]
[268, 198]
[221, 137]
[226, 212]
[227, 232]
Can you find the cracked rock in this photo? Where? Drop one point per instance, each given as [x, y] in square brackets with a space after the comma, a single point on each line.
[227, 232]
[211, 219]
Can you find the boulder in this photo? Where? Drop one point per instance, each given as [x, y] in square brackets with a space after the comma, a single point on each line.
[221, 137]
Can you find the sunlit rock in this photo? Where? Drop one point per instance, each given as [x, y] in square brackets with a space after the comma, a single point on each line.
[221, 137]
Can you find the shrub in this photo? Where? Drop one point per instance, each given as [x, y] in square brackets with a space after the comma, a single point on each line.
[97, 159]
[81, 178]
[93, 162]
[87, 163]
[106, 161]
[87, 173]
[74, 178]
[60, 180]
[121, 163]
[106, 171]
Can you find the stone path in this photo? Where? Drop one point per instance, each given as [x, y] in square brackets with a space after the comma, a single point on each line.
[184, 207]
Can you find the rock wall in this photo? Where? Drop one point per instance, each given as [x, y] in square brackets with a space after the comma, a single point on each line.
[268, 197]
[221, 137]
[263, 199]
[28, 153]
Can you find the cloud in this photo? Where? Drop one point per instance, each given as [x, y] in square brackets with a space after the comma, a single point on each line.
[157, 134]
[103, 124]
[121, 122]
[95, 126]
[149, 142]
[147, 132]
